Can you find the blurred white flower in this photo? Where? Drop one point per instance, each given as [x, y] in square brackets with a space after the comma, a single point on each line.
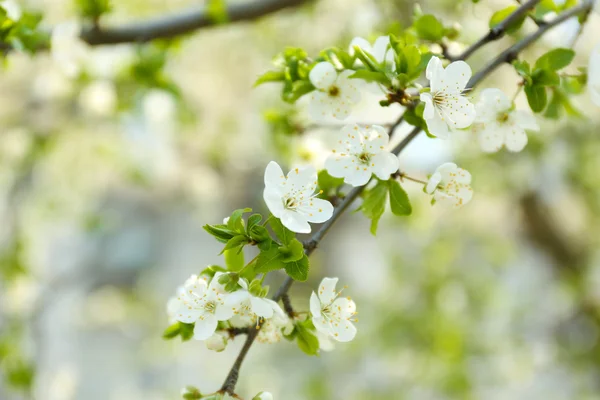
[380, 50]
[203, 304]
[217, 342]
[68, 50]
[13, 10]
[446, 107]
[331, 315]
[498, 124]
[248, 307]
[263, 396]
[359, 153]
[594, 75]
[325, 342]
[335, 93]
[99, 98]
[292, 198]
[450, 185]
[273, 329]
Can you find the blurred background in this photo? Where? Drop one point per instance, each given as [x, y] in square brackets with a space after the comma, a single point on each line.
[107, 179]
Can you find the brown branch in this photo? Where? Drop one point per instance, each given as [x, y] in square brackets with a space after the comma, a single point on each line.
[313, 242]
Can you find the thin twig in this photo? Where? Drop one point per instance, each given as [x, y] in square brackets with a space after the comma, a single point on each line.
[499, 30]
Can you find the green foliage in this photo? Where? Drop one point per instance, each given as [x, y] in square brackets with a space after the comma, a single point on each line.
[305, 337]
[217, 11]
[328, 183]
[293, 69]
[375, 199]
[289, 254]
[236, 234]
[410, 60]
[428, 27]
[191, 392]
[544, 76]
[93, 8]
[181, 329]
[24, 34]
[501, 15]
[372, 76]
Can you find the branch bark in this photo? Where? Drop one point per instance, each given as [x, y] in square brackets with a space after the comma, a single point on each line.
[506, 56]
[183, 23]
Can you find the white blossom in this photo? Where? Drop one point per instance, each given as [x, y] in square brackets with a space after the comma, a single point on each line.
[335, 93]
[99, 97]
[292, 198]
[446, 107]
[263, 396]
[498, 124]
[217, 342]
[361, 152]
[248, 307]
[380, 50]
[13, 10]
[68, 50]
[594, 75]
[450, 185]
[203, 304]
[273, 329]
[331, 315]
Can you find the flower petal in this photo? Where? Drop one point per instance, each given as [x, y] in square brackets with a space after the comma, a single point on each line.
[206, 327]
[358, 176]
[315, 305]
[295, 222]
[327, 290]
[322, 325]
[381, 49]
[317, 211]
[319, 107]
[459, 113]
[435, 73]
[491, 102]
[385, 164]
[223, 312]
[436, 125]
[377, 138]
[345, 331]
[349, 88]
[525, 120]
[456, 77]
[274, 200]
[274, 175]
[362, 43]
[339, 166]
[433, 183]
[490, 136]
[344, 307]
[261, 307]
[515, 139]
[429, 110]
[323, 75]
[302, 180]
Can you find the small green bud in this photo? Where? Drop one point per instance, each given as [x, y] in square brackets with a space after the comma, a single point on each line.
[190, 392]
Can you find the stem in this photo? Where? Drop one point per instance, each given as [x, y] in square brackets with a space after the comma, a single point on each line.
[402, 176]
[508, 55]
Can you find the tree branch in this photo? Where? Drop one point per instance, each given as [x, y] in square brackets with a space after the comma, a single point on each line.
[506, 56]
[183, 23]
[499, 30]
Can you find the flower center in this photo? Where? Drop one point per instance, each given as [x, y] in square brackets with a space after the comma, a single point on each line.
[290, 203]
[502, 117]
[364, 157]
[334, 91]
[210, 306]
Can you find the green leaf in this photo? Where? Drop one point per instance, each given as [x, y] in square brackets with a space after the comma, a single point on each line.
[235, 222]
[93, 8]
[269, 260]
[545, 77]
[186, 331]
[234, 260]
[307, 341]
[298, 270]
[371, 76]
[172, 331]
[283, 233]
[555, 59]
[297, 90]
[235, 242]
[373, 205]
[399, 202]
[270, 76]
[328, 182]
[293, 251]
[254, 219]
[220, 232]
[501, 15]
[429, 28]
[536, 97]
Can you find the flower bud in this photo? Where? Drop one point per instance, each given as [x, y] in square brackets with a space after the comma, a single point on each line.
[190, 392]
[217, 342]
[263, 396]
